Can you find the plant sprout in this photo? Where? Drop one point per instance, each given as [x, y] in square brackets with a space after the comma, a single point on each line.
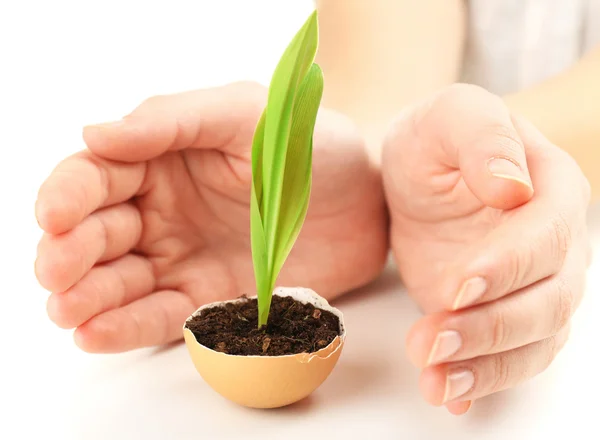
[282, 160]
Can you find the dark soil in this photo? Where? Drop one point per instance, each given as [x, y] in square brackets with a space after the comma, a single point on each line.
[293, 327]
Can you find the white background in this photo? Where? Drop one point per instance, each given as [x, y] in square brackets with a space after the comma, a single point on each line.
[67, 64]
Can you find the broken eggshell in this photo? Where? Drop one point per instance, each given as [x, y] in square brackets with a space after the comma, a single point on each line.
[267, 381]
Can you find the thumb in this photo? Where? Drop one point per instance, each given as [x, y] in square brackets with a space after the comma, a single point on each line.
[203, 119]
[494, 167]
[478, 131]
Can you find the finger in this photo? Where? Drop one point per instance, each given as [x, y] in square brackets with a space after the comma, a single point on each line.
[476, 131]
[482, 376]
[529, 315]
[154, 320]
[532, 242]
[80, 185]
[459, 408]
[107, 234]
[208, 118]
[103, 288]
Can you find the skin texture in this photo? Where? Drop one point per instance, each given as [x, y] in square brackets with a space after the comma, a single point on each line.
[152, 220]
[403, 51]
[513, 231]
[444, 206]
[149, 223]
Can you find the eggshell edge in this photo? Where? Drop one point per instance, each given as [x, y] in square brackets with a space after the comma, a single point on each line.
[249, 389]
[302, 294]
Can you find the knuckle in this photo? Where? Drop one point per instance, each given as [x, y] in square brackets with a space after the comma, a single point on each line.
[99, 291]
[101, 229]
[553, 345]
[72, 187]
[552, 348]
[99, 166]
[500, 332]
[494, 127]
[120, 287]
[564, 304]
[502, 372]
[517, 264]
[446, 100]
[564, 335]
[448, 97]
[561, 237]
[152, 102]
[157, 104]
[507, 142]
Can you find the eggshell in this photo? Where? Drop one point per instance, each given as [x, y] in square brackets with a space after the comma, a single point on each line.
[267, 381]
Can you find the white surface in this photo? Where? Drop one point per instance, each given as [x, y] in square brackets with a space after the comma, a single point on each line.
[67, 64]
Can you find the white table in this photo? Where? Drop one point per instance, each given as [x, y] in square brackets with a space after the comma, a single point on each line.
[86, 66]
[157, 394]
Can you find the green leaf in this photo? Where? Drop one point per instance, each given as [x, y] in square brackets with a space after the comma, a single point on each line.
[298, 167]
[257, 161]
[282, 161]
[259, 259]
[289, 73]
[257, 234]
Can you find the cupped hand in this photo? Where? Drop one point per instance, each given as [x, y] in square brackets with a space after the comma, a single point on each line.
[152, 219]
[488, 226]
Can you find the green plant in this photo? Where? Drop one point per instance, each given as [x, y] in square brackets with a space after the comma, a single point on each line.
[282, 160]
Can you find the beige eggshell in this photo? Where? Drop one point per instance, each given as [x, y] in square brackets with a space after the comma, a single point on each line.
[267, 381]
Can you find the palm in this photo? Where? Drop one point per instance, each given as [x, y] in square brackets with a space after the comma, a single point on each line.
[194, 210]
[440, 223]
[434, 226]
[203, 226]
[205, 215]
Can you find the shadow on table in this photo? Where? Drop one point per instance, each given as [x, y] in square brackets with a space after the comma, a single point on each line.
[367, 370]
[163, 349]
[492, 408]
[372, 365]
[388, 281]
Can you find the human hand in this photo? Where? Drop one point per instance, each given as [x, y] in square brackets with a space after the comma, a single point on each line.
[488, 227]
[152, 220]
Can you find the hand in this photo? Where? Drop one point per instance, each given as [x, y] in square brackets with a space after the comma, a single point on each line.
[152, 220]
[488, 227]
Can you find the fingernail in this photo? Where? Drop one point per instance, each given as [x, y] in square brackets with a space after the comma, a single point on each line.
[445, 345]
[458, 383]
[470, 291]
[111, 124]
[505, 168]
[469, 405]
